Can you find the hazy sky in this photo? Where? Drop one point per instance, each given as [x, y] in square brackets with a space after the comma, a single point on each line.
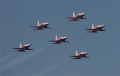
[53, 60]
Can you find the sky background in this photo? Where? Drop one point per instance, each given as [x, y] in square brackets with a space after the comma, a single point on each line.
[53, 60]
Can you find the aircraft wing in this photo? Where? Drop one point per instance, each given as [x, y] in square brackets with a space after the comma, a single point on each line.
[72, 56]
[33, 26]
[16, 48]
[29, 49]
[89, 29]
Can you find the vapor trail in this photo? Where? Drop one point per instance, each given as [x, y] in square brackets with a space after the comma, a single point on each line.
[23, 58]
[60, 26]
[6, 57]
[53, 67]
[79, 37]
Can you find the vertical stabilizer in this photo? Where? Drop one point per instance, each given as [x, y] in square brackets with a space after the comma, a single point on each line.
[38, 24]
[56, 38]
[76, 53]
[20, 45]
[93, 26]
[73, 14]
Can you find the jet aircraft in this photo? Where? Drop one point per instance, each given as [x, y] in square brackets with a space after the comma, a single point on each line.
[23, 48]
[97, 28]
[41, 26]
[79, 56]
[59, 40]
[77, 17]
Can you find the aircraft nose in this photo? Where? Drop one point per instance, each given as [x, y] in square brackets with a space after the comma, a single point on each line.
[86, 52]
[29, 44]
[84, 13]
[103, 25]
[66, 37]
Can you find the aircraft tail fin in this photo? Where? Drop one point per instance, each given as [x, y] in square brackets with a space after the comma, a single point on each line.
[93, 26]
[38, 24]
[76, 53]
[56, 38]
[20, 45]
[73, 14]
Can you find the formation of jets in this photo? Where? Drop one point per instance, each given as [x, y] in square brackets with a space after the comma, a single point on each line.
[63, 39]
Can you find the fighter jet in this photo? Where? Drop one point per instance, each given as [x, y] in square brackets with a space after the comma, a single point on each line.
[97, 28]
[23, 48]
[59, 40]
[79, 56]
[41, 26]
[77, 17]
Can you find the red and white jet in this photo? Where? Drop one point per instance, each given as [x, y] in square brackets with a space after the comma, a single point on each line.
[77, 17]
[93, 29]
[97, 28]
[59, 40]
[81, 55]
[23, 48]
[41, 26]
